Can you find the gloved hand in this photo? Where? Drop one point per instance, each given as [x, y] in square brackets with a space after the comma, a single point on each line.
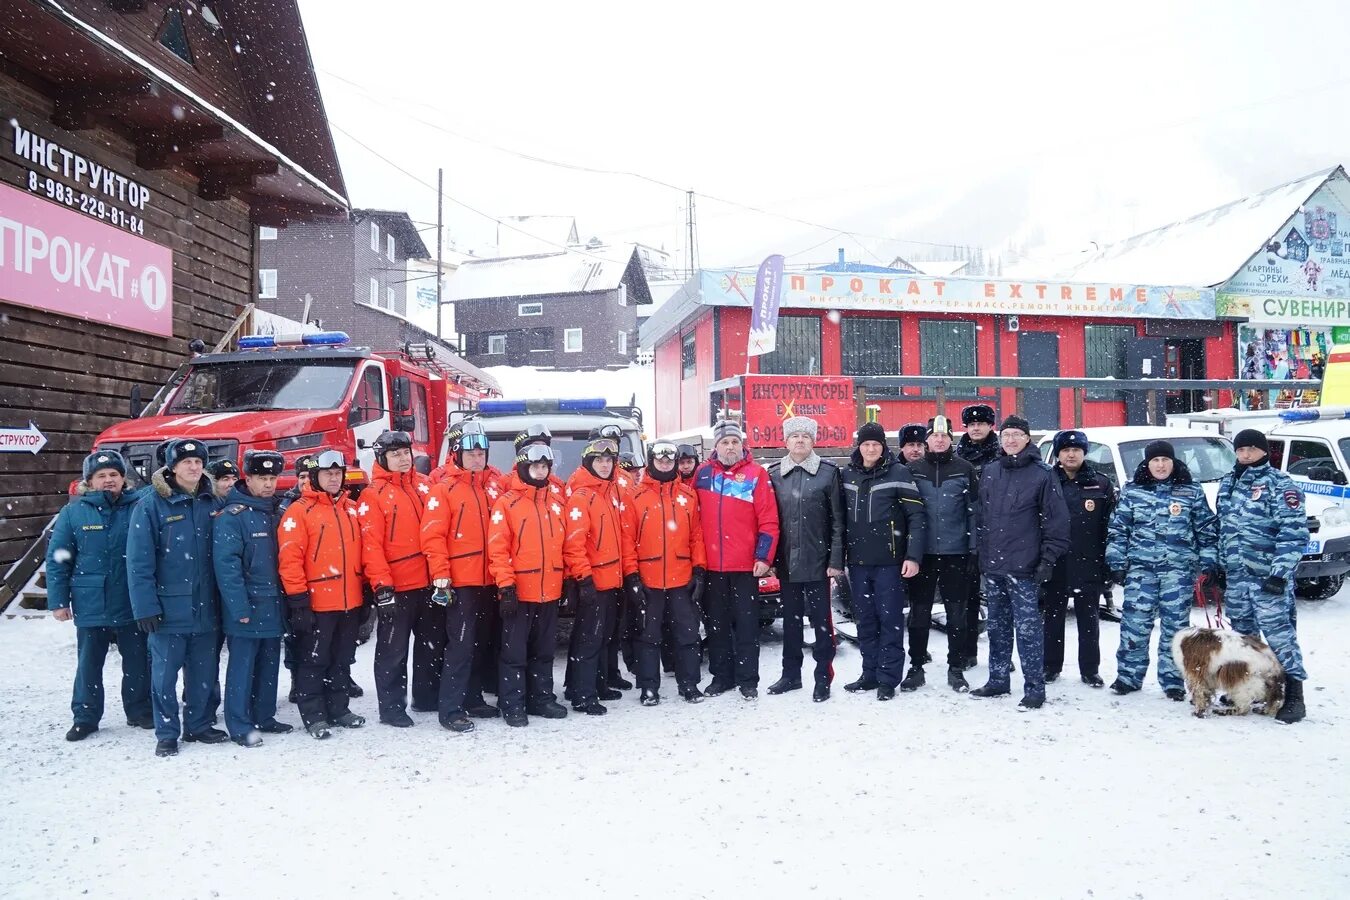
[1117, 576]
[697, 585]
[973, 564]
[509, 603]
[443, 595]
[1275, 585]
[149, 624]
[584, 590]
[633, 585]
[384, 596]
[1043, 573]
[300, 612]
[568, 603]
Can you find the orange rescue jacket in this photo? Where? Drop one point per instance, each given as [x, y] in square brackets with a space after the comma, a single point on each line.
[455, 527]
[597, 544]
[319, 550]
[390, 511]
[667, 533]
[525, 540]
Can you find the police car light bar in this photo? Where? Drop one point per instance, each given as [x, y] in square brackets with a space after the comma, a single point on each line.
[510, 407]
[1314, 413]
[309, 339]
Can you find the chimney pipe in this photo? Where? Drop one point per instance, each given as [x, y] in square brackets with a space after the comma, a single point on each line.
[841, 256]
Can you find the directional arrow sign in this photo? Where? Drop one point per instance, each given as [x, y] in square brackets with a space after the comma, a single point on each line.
[22, 440]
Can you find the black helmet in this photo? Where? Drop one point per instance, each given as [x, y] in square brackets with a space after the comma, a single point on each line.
[596, 448]
[685, 451]
[533, 434]
[530, 454]
[628, 462]
[613, 432]
[328, 459]
[391, 440]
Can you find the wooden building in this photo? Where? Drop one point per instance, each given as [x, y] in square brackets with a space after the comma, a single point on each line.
[142, 144]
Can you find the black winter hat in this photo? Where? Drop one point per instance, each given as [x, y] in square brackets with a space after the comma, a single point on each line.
[223, 468]
[1250, 437]
[184, 448]
[978, 413]
[104, 459]
[263, 462]
[871, 431]
[913, 434]
[1070, 438]
[1018, 423]
[1156, 449]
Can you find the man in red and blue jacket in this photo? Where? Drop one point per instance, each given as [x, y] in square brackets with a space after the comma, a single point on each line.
[739, 516]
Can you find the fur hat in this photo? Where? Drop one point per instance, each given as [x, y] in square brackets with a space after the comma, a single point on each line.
[727, 428]
[223, 468]
[799, 425]
[1250, 437]
[104, 459]
[913, 434]
[184, 448]
[1017, 423]
[263, 462]
[1070, 438]
[978, 413]
[871, 431]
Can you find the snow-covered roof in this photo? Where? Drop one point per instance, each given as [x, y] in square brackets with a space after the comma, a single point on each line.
[565, 272]
[1204, 250]
[941, 268]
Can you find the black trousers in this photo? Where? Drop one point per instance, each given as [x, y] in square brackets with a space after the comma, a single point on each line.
[1054, 607]
[674, 605]
[620, 637]
[489, 638]
[945, 573]
[528, 639]
[412, 616]
[732, 612]
[321, 665]
[971, 645]
[465, 619]
[810, 599]
[668, 643]
[594, 622]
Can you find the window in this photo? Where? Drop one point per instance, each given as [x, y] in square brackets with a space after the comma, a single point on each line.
[173, 36]
[374, 292]
[389, 246]
[870, 346]
[267, 234]
[572, 340]
[798, 348]
[421, 432]
[368, 404]
[621, 344]
[389, 298]
[1105, 349]
[496, 345]
[947, 349]
[1276, 452]
[688, 358]
[539, 340]
[1305, 455]
[267, 284]
[529, 309]
[375, 237]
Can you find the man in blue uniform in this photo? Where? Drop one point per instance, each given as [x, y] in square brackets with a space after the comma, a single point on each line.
[1263, 531]
[244, 553]
[87, 580]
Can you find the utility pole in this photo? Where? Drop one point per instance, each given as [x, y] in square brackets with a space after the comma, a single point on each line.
[691, 239]
[440, 182]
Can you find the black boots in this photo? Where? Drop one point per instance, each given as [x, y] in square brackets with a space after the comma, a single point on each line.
[207, 736]
[145, 720]
[590, 708]
[650, 697]
[1293, 709]
[166, 748]
[785, 684]
[991, 690]
[1032, 701]
[956, 680]
[397, 718]
[913, 679]
[547, 709]
[1121, 688]
[458, 722]
[716, 689]
[691, 695]
[864, 683]
[749, 693]
[1177, 694]
[821, 693]
[885, 691]
[1093, 681]
[79, 732]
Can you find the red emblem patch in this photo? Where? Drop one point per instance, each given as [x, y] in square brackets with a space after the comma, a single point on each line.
[1292, 499]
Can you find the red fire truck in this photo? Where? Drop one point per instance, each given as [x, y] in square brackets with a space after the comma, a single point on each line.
[300, 393]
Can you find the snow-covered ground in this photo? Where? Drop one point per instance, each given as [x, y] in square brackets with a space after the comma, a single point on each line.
[932, 795]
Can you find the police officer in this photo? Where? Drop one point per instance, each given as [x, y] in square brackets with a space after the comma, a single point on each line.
[1023, 531]
[1080, 574]
[1162, 534]
[390, 512]
[979, 446]
[913, 443]
[1263, 532]
[244, 553]
[885, 534]
[525, 553]
[810, 553]
[224, 473]
[598, 550]
[948, 487]
[320, 559]
[173, 593]
[669, 557]
[454, 540]
[87, 580]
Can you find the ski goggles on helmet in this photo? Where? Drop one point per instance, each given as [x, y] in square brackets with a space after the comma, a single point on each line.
[534, 433]
[687, 451]
[473, 437]
[330, 459]
[613, 432]
[601, 447]
[665, 449]
[536, 453]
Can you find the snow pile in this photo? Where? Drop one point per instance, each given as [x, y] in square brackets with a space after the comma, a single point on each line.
[932, 795]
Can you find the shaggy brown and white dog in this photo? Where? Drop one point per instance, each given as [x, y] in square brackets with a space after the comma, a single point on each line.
[1238, 670]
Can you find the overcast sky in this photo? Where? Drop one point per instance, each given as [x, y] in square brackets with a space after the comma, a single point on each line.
[1049, 123]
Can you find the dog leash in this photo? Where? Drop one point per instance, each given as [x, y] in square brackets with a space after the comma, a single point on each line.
[1202, 583]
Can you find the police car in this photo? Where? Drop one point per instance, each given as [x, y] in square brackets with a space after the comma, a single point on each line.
[570, 421]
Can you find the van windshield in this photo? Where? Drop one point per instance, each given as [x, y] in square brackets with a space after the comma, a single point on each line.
[1208, 458]
[242, 386]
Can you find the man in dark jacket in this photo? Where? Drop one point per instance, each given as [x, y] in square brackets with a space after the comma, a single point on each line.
[884, 523]
[173, 593]
[1080, 574]
[1023, 531]
[87, 580]
[948, 487]
[810, 553]
[978, 446]
[244, 554]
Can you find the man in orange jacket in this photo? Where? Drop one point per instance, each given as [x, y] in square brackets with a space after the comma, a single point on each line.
[390, 512]
[671, 560]
[525, 553]
[598, 550]
[319, 557]
[454, 540]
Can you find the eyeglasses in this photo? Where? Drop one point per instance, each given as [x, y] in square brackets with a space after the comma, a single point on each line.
[601, 447]
[536, 453]
[666, 450]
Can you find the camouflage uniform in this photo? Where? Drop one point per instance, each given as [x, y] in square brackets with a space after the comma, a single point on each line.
[1263, 532]
[1162, 534]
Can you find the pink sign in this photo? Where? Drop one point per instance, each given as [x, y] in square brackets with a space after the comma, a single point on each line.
[60, 260]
